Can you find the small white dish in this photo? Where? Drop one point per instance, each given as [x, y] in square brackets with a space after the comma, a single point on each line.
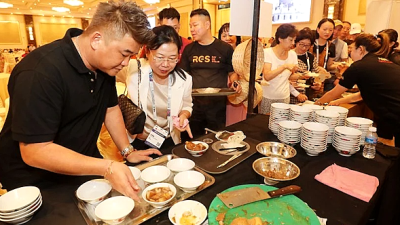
[195, 208]
[158, 185]
[189, 181]
[180, 164]
[115, 209]
[94, 191]
[155, 174]
[18, 198]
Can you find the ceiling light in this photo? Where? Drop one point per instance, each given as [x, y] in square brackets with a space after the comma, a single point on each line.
[60, 9]
[73, 2]
[4, 5]
[152, 1]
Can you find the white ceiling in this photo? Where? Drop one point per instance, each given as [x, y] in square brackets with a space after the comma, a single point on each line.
[44, 7]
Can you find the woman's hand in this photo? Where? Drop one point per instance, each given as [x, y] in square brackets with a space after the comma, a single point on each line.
[333, 102]
[183, 123]
[316, 86]
[302, 97]
[291, 67]
[142, 155]
[122, 180]
[237, 87]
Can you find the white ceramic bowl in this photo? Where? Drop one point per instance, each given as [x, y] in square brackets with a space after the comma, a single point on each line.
[359, 120]
[290, 124]
[194, 207]
[159, 204]
[24, 217]
[155, 174]
[327, 113]
[338, 109]
[22, 211]
[18, 198]
[180, 164]
[313, 126]
[300, 109]
[115, 209]
[188, 181]
[348, 131]
[278, 105]
[135, 172]
[94, 191]
[198, 153]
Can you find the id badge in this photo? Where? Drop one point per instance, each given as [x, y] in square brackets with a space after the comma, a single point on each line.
[156, 137]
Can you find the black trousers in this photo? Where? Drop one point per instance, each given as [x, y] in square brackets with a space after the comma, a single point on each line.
[208, 112]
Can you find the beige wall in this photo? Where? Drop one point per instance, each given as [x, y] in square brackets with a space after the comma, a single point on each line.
[46, 23]
[22, 33]
[351, 10]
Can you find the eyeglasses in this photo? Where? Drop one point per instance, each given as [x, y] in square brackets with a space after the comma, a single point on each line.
[160, 60]
[304, 45]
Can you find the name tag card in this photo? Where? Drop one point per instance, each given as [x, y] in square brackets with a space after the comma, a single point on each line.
[156, 137]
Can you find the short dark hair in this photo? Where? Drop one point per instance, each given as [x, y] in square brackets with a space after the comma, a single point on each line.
[202, 12]
[347, 22]
[284, 31]
[165, 34]
[303, 34]
[169, 13]
[225, 28]
[324, 20]
[116, 19]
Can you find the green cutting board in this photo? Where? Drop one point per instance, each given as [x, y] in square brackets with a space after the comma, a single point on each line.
[283, 210]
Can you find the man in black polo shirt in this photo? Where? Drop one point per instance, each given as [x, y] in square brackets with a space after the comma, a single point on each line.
[61, 94]
[209, 61]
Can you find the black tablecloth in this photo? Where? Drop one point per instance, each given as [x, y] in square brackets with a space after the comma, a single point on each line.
[339, 208]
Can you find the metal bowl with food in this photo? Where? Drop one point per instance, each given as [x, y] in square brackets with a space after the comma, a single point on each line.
[275, 169]
[276, 149]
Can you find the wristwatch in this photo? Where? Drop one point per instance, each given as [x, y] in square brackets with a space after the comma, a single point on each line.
[127, 151]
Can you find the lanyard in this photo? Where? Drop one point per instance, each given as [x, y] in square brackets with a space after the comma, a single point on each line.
[326, 55]
[154, 100]
[308, 62]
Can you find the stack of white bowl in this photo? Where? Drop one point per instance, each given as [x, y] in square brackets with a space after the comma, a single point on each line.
[300, 114]
[342, 113]
[19, 205]
[346, 140]
[329, 118]
[289, 132]
[314, 137]
[361, 124]
[314, 108]
[279, 112]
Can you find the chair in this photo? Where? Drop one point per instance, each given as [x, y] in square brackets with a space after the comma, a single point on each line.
[9, 62]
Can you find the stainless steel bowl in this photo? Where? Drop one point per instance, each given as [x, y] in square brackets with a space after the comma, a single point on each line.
[275, 169]
[276, 149]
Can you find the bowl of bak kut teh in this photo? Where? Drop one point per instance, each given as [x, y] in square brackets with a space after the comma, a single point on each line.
[160, 194]
[196, 148]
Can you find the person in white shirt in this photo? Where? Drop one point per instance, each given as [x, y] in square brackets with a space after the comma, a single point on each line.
[280, 65]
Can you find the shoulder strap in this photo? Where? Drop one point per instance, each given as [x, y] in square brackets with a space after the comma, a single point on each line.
[139, 81]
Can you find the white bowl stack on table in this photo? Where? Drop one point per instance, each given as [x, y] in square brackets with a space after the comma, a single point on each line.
[342, 113]
[300, 114]
[329, 118]
[279, 112]
[361, 124]
[314, 138]
[289, 132]
[314, 108]
[346, 140]
[19, 205]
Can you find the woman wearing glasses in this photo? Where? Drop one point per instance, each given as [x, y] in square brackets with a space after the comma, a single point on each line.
[307, 61]
[163, 89]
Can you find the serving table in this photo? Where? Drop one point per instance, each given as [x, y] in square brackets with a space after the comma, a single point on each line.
[339, 208]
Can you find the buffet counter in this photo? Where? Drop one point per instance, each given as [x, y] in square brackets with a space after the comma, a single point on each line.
[339, 208]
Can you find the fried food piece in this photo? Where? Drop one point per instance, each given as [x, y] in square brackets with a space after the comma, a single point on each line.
[194, 147]
[244, 221]
[160, 194]
[188, 218]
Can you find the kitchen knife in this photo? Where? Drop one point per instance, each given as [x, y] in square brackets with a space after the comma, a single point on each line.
[244, 196]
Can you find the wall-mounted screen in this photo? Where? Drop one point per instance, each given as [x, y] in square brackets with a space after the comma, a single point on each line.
[290, 11]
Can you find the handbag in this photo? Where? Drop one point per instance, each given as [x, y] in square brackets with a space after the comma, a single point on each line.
[134, 116]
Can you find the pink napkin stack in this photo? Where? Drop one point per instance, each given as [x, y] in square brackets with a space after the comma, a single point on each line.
[354, 183]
